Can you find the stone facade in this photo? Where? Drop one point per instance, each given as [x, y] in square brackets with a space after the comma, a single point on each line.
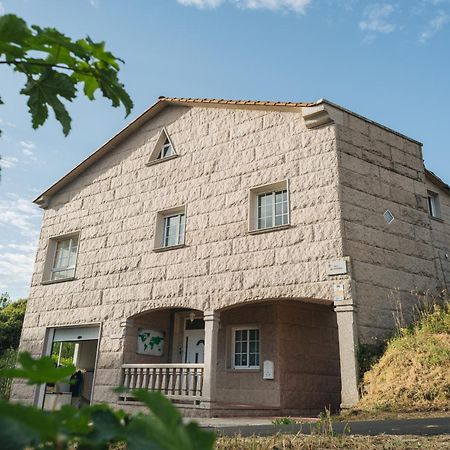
[343, 172]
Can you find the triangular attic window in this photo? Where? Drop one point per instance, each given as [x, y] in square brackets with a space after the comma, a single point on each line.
[163, 149]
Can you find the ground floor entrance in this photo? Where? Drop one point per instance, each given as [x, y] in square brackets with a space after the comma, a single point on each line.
[271, 357]
[77, 346]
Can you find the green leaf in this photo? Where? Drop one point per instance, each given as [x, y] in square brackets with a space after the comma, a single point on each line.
[38, 371]
[45, 90]
[34, 424]
[54, 65]
[159, 405]
[14, 34]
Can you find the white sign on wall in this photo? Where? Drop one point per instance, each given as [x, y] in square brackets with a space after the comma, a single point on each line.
[339, 292]
[150, 342]
[337, 267]
[268, 372]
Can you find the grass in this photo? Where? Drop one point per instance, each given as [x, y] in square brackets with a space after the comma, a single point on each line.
[414, 372]
[316, 442]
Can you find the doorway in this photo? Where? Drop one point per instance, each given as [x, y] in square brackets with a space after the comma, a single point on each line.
[77, 346]
[194, 341]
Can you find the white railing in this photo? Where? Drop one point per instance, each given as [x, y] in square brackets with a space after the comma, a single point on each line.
[177, 381]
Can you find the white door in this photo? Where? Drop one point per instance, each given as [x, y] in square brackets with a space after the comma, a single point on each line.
[194, 342]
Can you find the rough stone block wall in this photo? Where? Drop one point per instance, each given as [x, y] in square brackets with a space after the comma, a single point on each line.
[245, 386]
[308, 349]
[379, 171]
[114, 203]
[440, 234]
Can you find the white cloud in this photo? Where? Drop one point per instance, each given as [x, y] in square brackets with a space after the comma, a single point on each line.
[94, 3]
[19, 214]
[434, 25]
[27, 144]
[2, 9]
[27, 149]
[376, 19]
[202, 4]
[7, 162]
[297, 6]
[16, 264]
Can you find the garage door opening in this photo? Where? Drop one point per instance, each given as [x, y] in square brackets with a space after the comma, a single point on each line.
[77, 346]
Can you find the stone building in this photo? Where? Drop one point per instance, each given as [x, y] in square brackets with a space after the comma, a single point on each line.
[233, 254]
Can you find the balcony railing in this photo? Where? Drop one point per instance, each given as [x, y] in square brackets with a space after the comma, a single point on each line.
[176, 381]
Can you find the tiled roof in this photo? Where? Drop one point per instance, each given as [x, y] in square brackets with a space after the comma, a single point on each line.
[221, 101]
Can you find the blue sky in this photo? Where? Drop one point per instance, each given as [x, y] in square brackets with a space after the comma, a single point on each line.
[388, 60]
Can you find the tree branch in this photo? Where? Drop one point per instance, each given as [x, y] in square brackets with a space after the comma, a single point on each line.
[44, 64]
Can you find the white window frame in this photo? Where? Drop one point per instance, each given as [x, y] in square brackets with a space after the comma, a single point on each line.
[164, 142]
[254, 196]
[433, 203]
[179, 237]
[161, 231]
[50, 260]
[247, 328]
[272, 194]
[56, 270]
[167, 146]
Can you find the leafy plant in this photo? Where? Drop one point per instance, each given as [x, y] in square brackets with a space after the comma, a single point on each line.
[54, 65]
[7, 361]
[283, 421]
[11, 320]
[93, 427]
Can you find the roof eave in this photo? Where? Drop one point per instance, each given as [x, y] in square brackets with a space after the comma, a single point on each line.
[437, 181]
[42, 199]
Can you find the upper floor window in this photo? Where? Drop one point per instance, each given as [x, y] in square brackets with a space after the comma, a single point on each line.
[163, 150]
[167, 150]
[272, 209]
[434, 207]
[170, 228]
[173, 230]
[269, 206]
[65, 258]
[61, 259]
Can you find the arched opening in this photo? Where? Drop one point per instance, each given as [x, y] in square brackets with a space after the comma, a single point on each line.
[278, 355]
[164, 351]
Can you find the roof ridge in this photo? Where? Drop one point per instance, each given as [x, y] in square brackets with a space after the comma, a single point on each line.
[223, 101]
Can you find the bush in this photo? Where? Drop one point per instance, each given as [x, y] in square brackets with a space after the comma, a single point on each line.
[7, 361]
[96, 426]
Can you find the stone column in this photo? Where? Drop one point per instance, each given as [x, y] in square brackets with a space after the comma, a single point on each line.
[210, 360]
[348, 342]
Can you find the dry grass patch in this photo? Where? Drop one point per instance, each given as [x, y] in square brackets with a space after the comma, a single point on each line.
[315, 442]
[414, 372]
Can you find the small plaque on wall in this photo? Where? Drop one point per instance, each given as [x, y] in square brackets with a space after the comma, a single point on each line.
[150, 342]
[339, 292]
[337, 267]
[268, 372]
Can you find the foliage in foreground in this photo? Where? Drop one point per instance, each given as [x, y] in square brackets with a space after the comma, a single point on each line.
[54, 65]
[414, 372]
[93, 427]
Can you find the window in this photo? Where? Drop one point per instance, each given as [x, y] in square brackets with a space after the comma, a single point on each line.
[163, 150]
[61, 258]
[269, 207]
[173, 230]
[434, 207]
[170, 228]
[246, 348]
[167, 150]
[65, 258]
[272, 209]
